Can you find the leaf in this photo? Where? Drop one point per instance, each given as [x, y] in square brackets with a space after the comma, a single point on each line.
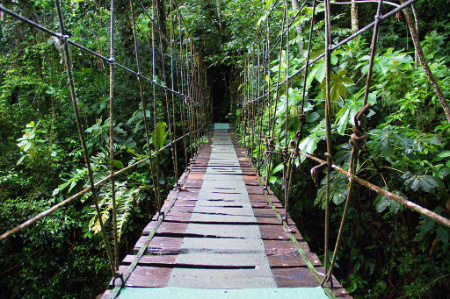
[343, 120]
[443, 234]
[320, 72]
[312, 117]
[56, 191]
[444, 154]
[20, 160]
[428, 225]
[382, 203]
[158, 134]
[118, 164]
[278, 168]
[273, 180]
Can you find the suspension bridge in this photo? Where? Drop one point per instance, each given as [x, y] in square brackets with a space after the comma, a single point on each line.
[221, 232]
[220, 235]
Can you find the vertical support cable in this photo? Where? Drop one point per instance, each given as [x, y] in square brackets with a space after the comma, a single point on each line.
[268, 75]
[287, 160]
[74, 99]
[253, 102]
[111, 139]
[143, 102]
[261, 104]
[173, 95]
[355, 140]
[267, 141]
[327, 125]
[166, 102]
[183, 99]
[155, 116]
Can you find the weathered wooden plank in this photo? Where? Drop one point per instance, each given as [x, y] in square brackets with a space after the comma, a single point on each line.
[294, 277]
[286, 260]
[283, 247]
[157, 243]
[166, 227]
[151, 260]
[277, 232]
[230, 220]
[150, 277]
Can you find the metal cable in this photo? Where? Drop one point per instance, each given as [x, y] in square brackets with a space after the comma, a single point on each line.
[347, 39]
[357, 142]
[143, 102]
[81, 132]
[111, 139]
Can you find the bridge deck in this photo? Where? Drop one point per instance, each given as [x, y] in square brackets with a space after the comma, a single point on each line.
[221, 236]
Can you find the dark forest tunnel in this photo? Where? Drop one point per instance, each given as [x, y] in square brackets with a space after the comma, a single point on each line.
[219, 84]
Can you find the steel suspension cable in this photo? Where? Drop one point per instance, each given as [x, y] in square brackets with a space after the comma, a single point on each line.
[300, 112]
[74, 99]
[82, 48]
[349, 38]
[327, 127]
[357, 142]
[173, 97]
[272, 134]
[155, 115]
[143, 102]
[183, 98]
[111, 139]
[167, 110]
[286, 156]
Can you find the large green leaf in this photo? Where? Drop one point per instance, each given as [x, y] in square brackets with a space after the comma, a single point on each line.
[159, 135]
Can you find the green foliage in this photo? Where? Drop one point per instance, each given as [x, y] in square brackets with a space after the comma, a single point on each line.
[42, 161]
[387, 251]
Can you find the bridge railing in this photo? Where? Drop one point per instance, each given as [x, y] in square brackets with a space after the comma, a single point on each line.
[259, 103]
[183, 95]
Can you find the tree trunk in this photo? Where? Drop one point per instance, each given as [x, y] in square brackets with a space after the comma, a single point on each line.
[423, 61]
[162, 22]
[299, 29]
[219, 15]
[354, 15]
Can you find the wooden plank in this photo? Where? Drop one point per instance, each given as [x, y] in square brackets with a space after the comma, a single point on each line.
[150, 277]
[294, 277]
[261, 221]
[151, 260]
[165, 227]
[276, 232]
[283, 247]
[160, 243]
[170, 261]
[286, 260]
